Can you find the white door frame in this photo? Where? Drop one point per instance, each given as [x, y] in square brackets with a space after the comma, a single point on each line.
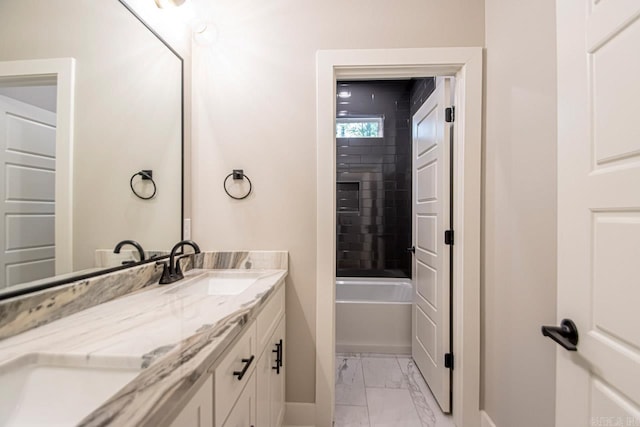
[60, 71]
[466, 65]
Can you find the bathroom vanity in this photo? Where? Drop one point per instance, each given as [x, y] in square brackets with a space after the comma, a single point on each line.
[205, 351]
[246, 387]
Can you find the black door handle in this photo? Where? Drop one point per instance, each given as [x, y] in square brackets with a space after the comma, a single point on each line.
[412, 249]
[566, 334]
[247, 363]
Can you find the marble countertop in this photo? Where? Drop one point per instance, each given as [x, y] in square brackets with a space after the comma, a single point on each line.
[174, 337]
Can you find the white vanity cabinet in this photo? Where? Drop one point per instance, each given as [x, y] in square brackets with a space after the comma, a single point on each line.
[246, 384]
[270, 398]
[243, 413]
[199, 410]
[233, 374]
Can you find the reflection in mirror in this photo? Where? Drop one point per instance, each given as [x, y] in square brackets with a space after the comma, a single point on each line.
[89, 96]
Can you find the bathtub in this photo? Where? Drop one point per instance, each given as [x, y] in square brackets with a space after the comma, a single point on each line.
[373, 315]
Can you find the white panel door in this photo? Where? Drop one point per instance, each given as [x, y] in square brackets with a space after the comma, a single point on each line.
[27, 156]
[431, 321]
[599, 211]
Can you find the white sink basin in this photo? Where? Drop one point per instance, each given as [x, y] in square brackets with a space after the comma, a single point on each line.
[46, 390]
[221, 282]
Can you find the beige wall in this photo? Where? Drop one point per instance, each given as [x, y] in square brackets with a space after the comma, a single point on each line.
[519, 287]
[254, 108]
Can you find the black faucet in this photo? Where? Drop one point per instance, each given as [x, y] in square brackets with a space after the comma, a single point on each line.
[133, 243]
[172, 272]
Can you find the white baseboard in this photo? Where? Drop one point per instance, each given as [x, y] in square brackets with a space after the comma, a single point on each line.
[485, 420]
[366, 348]
[299, 414]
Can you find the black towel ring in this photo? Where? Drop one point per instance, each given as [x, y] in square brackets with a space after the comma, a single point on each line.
[237, 174]
[147, 175]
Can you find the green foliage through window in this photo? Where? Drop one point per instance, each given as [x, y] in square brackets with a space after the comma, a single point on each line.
[359, 128]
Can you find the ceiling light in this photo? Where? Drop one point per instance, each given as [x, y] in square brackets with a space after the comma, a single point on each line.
[344, 94]
[343, 113]
[164, 4]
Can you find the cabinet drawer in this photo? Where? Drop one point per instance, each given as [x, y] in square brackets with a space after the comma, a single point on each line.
[269, 317]
[198, 412]
[227, 386]
[243, 413]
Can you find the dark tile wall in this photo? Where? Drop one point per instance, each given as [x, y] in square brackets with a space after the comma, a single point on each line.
[420, 91]
[374, 183]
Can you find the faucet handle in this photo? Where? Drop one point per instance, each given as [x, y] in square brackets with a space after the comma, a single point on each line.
[166, 277]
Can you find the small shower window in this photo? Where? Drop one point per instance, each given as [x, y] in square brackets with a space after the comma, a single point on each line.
[359, 127]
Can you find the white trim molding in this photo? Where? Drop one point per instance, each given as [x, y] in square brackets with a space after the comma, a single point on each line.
[59, 71]
[465, 64]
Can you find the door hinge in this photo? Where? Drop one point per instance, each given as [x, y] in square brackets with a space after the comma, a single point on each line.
[448, 360]
[450, 114]
[448, 237]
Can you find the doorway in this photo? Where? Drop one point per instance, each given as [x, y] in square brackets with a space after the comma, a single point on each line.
[393, 194]
[466, 65]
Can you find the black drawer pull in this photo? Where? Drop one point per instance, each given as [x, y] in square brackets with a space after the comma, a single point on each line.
[278, 352]
[247, 363]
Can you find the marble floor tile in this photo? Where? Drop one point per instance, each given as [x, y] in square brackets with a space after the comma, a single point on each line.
[383, 372]
[361, 382]
[428, 409]
[391, 407]
[351, 416]
[403, 361]
[349, 382]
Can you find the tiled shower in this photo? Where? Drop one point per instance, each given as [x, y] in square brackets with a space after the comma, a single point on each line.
[374, 178]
